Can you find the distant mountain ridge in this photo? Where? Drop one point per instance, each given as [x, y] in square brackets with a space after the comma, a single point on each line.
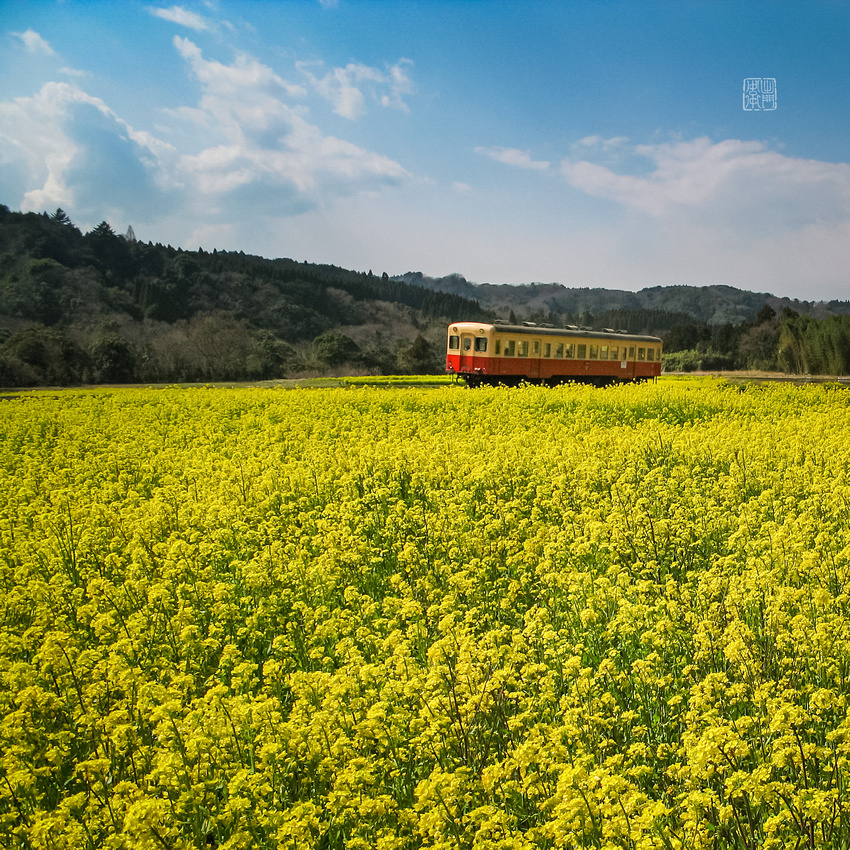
[714, 304]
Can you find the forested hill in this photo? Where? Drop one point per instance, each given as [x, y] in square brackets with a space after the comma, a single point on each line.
[714, 305]
[708, 328]
[104, 307]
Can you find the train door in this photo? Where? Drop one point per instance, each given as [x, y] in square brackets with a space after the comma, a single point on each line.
[630, 363]
[534, 355]
[467, 352]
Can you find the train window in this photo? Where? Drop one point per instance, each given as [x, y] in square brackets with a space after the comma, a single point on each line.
[631, 352]
[498, 346]
[536, 348]
[650, 354]
[641, 354]
[559, 350]
[594, 352]
[454, 343]
[480, 343]
[547, 349]
[510, 347]
[523, 349]
[615, 352]
[603, 352]
[570, 351]
[582, 351]
[467, 343]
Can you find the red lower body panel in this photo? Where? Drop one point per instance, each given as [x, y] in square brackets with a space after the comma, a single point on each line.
[530, 368]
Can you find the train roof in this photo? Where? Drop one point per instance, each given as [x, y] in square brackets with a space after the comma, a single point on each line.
[567, 330]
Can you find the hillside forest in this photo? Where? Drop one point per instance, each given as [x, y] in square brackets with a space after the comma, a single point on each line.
[101, 307]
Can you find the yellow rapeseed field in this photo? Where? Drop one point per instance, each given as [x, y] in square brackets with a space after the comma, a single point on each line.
[438, 618]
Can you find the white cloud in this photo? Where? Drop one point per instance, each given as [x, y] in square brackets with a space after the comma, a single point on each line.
[400, 85]
[34, 43]
[250, 150]
[732, 211]
[514, 157]
[73, 72]
[600, 142]
[183, 17]
[344, 87]
[243, 98]
[732, 184]
[265, 150]
[69, 149]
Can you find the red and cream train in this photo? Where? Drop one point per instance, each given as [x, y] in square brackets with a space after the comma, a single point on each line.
[502, 353]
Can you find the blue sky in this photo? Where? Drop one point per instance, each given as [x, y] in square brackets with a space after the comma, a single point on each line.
[588, 143]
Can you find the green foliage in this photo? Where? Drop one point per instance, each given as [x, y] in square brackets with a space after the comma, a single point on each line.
[817, 347]
[681, 361]
[112, 360]
[335, 348]
[39, 355]
[271, 357]
[179, 315]
[419, 358]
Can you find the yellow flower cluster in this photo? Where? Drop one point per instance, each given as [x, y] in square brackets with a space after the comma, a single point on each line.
[407, 617]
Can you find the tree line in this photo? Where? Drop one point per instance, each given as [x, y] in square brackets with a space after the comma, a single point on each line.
[104, 308]
[784, 342]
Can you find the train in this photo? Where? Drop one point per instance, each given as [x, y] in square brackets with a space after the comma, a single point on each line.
[527, 352]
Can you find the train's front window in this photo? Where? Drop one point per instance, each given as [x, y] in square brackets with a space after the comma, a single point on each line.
[454, 343]
[467, 343]
[480, 343]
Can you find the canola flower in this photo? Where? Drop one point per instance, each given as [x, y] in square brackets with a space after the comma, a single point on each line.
[437, 618]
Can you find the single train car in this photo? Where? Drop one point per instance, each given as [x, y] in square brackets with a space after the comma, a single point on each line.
[511, 354]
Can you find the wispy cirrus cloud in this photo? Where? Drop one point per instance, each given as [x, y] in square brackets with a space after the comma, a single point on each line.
[512, 156]
[182, 17]
[600, 142]
[346, 88]
[74, 72]
[34, 43]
